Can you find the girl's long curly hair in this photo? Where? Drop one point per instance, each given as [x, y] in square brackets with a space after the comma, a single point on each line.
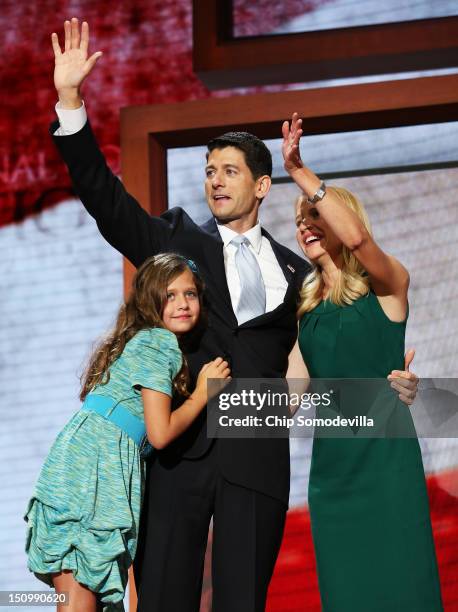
[143, 309]
[353, 281]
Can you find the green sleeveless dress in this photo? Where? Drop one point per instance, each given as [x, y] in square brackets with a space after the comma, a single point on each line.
[84, 513]
[367, 496]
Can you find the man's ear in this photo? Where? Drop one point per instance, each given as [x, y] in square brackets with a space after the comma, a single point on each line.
[263, 184]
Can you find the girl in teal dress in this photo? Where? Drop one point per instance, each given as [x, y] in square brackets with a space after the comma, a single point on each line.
[367, 496]
[83, 517]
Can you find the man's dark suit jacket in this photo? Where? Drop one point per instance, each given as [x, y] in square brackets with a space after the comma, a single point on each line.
[257, 349]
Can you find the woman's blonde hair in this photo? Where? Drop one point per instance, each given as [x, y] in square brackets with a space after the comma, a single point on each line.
[143, 309]
[352, 281]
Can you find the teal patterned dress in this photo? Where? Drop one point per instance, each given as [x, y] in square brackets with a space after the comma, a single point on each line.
[85, 510]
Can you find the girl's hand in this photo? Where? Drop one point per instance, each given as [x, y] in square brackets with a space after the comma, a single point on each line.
[290, 146]
[218, 368]
[73, 65]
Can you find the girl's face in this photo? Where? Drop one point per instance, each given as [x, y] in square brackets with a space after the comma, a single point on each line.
[313, 234]
[182, 306]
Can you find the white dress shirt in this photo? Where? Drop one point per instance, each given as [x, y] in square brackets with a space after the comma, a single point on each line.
[272, 274]
[72, 121]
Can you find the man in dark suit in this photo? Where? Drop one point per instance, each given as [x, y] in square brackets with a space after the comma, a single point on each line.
[242, 483]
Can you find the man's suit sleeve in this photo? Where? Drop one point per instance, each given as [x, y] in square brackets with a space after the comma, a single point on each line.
[120, 218]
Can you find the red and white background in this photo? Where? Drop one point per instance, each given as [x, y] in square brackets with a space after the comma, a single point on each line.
[61, 284]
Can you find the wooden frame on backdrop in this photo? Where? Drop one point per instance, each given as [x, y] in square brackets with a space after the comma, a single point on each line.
[222, 61]
[148, 131]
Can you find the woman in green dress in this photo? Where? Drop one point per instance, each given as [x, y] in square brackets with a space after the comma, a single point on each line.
[368, 502]
[83, 517]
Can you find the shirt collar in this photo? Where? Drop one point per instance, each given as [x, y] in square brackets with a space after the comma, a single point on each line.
[254, 235]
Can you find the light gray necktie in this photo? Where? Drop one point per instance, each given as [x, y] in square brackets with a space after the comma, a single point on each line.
[252, 301]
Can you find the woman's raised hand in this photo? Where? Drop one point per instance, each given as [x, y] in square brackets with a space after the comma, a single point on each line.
[290, 147]
[72, 65]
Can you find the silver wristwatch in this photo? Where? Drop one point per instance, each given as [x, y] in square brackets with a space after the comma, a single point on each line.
[319, 195]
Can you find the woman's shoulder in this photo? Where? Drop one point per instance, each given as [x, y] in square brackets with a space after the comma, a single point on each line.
[389, 309]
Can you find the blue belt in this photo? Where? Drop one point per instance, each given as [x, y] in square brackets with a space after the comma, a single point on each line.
[118, 414]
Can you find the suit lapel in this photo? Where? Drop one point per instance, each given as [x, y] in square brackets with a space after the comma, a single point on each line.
[214, 258]
[287, 269]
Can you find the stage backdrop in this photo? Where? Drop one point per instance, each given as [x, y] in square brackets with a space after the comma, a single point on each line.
[61, 284]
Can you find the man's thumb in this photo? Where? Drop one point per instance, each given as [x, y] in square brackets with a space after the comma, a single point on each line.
[408, 358]
[91, 62]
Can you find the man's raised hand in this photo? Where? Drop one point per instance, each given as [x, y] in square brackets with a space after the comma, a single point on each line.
[290, 147]
[72, 65]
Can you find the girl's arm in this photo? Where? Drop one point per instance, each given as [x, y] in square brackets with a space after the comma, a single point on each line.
[388, 277]
[163, 425]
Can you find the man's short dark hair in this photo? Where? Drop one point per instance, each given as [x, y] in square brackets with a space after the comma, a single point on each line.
[257, 156]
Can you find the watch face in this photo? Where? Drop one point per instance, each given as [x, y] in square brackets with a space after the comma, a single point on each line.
[319, 195]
